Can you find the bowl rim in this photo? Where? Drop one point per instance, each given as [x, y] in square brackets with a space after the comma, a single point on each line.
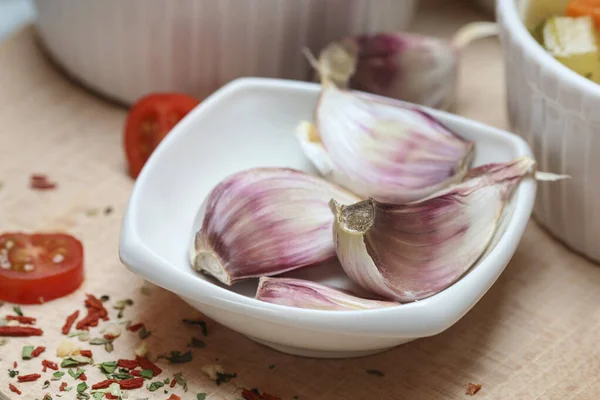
[509, 15]
[417, 319]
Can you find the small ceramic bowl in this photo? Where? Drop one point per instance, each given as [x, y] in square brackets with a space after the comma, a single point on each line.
[249, 123]
[556, 111]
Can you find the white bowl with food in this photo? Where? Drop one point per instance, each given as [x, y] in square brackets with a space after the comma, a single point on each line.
[554, 107]
[250, 123]
[127, 49]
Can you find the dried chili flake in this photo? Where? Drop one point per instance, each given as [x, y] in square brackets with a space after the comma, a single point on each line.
[62, 386]
[250, 395]
[86, 353]
[147, 364]
[83, 377]
[20, 331]
[473, 388]
[173, 382]
[13, 388]
[38, 350]
[103, 384]
[129, 364]
[135, 327]
[49, 364]
[15, 364]
[111, 396]
[69, 322]
[29, 378]
[133, 383]
[41, 182]
[174, 397]
[21, 319]
[109, 337]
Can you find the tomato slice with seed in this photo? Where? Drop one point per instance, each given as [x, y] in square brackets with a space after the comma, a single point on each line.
[149, 121]
[40, 267]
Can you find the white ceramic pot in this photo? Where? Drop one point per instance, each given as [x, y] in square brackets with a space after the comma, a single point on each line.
[558, 113]
[125, 49]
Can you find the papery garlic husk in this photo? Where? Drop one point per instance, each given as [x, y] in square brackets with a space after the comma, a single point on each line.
[265, 221]
[412, 251]
[382, 149]
[307, 294]
[415, 68]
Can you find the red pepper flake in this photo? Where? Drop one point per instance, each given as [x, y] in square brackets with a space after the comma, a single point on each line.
[136, 327]
[15, 365]
[103, 384]
[86, 353]
[20, 331]
[129, 364]
[174, 397]
[37, 351]
[147, 364]
[62, 386]
[96, 311]
[111, 396]
[40, 181]
[473, 388]
[49, 364]
[110, 337]
[29, 378]
[21, 319]
[13, 388]
[83, 377]
[173, 382]
[69, 322]
[135, 372]
[133, 383]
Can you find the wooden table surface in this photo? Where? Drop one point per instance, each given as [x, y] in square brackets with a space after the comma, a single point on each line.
[534, 335]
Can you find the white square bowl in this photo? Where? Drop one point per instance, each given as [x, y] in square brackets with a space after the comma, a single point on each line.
[249, 123]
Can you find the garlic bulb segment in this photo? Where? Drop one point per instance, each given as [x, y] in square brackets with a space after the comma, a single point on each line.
[386, 150]
[306, 294]
[265, 221]
[414, 68]
[412, 251]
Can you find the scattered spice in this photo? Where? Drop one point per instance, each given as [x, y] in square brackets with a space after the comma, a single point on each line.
[133, 383]
[96, 311]
[13, 388]
[135, 327]
[147, 373]
[108, 347]
[177, 358]
[104, 384]
[21, 331]
[76, 374]
[48, 397]
[26, 353]
[74, 361]
[224, 377]
[174, 397]
[86, 353]
[62, 386]
[135, 372]
[98, 341]
[29, 378]
[375, 372]
[147, 364]
[111, 396]
[181, 381]
[201, 396]
[69, 322]
[155, 386]
[83, 377]
[15, 365]
[38, 350]
[41, 182]
[18, 311]
[82, 387]
[197, 343]
[104, 298]
[46, 385]
[57, 375]
[49, 364]
[21, 319]
[129, 364]
[144, 333]
[473, 388]
[173, 383]
[109, 366]
[108, 210]
[12, 373]
[202, 324]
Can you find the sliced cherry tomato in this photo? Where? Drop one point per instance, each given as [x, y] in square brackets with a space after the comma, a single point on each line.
[38, 268]
[149, 121]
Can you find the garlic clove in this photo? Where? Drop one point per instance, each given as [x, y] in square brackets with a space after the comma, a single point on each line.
[409, 67]
[306, 294]
[413, 251]
[265, 221]
[386, 150]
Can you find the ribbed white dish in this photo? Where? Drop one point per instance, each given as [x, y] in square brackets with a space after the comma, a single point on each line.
[125, 49]
[558, 113]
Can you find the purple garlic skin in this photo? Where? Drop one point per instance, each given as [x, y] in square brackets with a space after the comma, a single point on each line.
[306, 294]
[265, 221]
[413, 68]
